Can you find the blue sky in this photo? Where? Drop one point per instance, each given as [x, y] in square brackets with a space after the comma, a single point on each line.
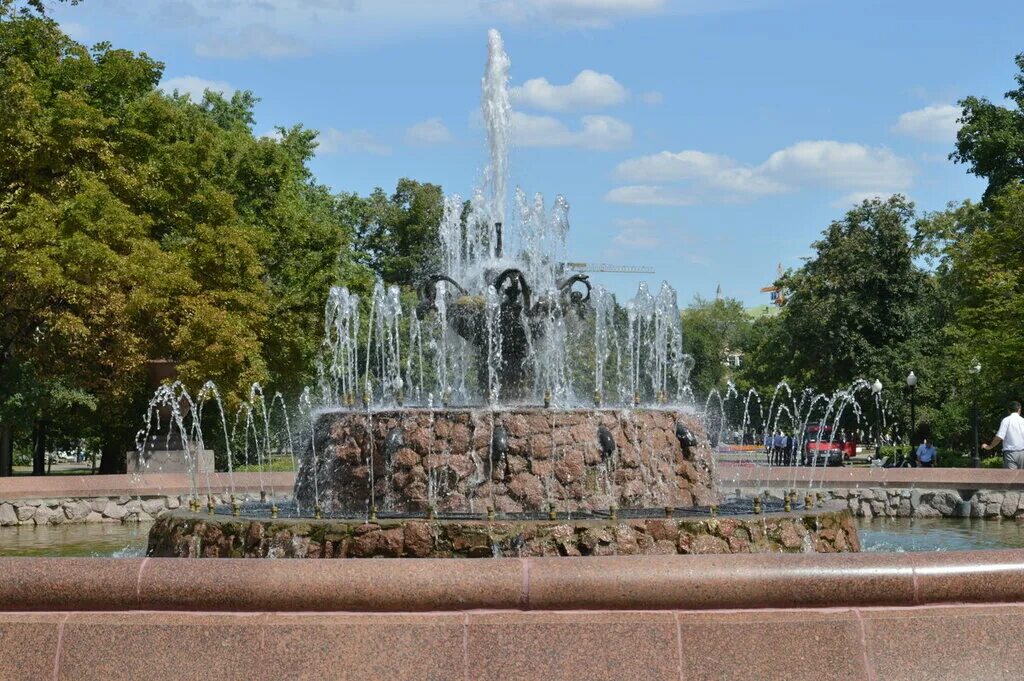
[711, 140]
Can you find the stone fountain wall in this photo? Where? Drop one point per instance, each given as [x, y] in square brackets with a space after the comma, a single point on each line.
[510, 460]
[191, 535]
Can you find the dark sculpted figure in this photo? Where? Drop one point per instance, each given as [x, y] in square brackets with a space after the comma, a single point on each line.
[520, 318]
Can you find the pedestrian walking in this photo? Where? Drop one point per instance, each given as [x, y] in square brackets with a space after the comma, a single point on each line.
[1011, 436]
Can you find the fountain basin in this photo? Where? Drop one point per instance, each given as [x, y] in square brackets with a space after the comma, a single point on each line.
[511, 459]
[184, 534]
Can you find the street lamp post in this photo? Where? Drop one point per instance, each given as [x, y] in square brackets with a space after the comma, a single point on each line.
[976, 452]
[876, 390]
[911, 386]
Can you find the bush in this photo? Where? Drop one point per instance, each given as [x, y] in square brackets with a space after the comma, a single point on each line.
[951, 459]
[22, 456]
[947, 458]
[893, 451]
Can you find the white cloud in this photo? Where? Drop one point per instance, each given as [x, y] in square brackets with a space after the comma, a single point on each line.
[652, 97]
[714, 177]
[669, 166]
[194, 86]
[179, 13]
[634, 223]
[253, 40]
[428, 132]
[334, 141]
[713, 170]
[932, 124]
[597, 132]
[636, 234]
[636, 238]
[650, 195]
[840, 165]
[223, 28]
[589, 90]
[581, 13]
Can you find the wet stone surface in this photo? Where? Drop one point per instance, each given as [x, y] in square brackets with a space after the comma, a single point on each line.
[468, 460]
[188, 535]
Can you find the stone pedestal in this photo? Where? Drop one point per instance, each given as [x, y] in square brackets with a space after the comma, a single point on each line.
[511, 460]
[183, 534]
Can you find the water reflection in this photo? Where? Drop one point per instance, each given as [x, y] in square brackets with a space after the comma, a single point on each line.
[896, 534]
[939, 534]
[82, 539]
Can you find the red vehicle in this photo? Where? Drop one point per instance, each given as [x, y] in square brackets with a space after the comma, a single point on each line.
[819, 449]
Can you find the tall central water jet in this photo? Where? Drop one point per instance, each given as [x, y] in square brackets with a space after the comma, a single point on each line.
[497, 112]
[504, 319]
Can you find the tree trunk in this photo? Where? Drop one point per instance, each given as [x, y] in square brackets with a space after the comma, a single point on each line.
[39, 448]
[113, 458]
[6, 451]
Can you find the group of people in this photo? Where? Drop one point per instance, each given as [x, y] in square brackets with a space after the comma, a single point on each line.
[781, 449]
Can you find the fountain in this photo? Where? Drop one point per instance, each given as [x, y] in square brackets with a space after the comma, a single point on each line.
[506, 338]
[512, 397]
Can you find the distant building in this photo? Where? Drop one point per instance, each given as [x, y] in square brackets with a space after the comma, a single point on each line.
[776, 294]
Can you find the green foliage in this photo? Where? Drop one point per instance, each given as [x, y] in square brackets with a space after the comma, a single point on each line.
[865, 306]
[980, 264]
[991, 137]
[860, 307]
[711, 329]
[135, 226]
[277, 465]
[396, 235]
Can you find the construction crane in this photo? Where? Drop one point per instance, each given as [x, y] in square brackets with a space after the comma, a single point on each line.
[605, 267]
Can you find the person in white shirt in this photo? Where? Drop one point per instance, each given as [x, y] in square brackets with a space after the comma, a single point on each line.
[1011, 435]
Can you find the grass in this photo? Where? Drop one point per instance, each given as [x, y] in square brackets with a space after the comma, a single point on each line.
[281, 465]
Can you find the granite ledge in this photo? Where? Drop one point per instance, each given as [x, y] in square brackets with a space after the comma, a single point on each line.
[718, 582]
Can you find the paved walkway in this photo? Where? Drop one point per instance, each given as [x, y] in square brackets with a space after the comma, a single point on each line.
[849, 476]
[151, 484]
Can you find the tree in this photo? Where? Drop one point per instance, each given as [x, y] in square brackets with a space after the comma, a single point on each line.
[981, 269]
[711, 328]
[991, 137]
[77, 263]
[858, 308]
[136, 225]
[38, 6]
[397, 236]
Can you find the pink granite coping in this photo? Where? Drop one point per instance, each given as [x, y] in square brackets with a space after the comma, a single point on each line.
[823, 644]
[717, 582]
[730, 476]
[149, 484]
